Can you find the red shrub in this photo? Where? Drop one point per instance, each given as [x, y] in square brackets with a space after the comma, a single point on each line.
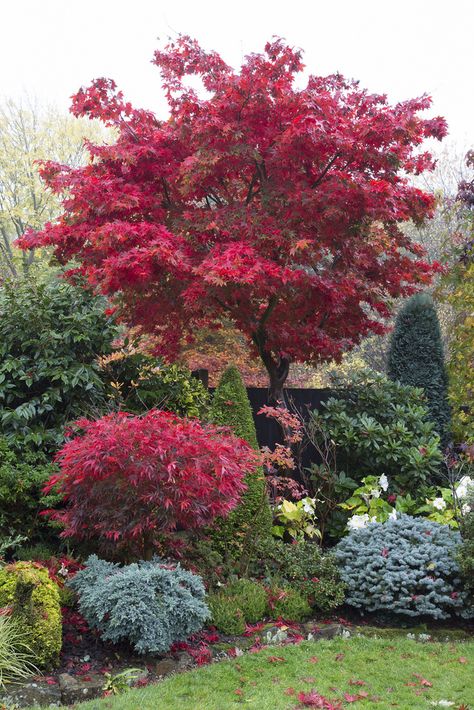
[128, 479]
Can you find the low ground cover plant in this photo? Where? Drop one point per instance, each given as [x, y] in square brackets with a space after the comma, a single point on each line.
[150, 605]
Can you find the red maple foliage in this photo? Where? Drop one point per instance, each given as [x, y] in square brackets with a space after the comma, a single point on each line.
[274, 206]
[128, 479]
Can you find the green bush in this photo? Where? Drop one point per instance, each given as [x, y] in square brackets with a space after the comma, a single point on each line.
[416, 358]
[36, 609]
[137, 382]
[236, 604]
[305, 568]
[50, 335]
[288, 603]
[252, 518]
[226, 614]
[379, 426]
[21, 482]
[466, 553]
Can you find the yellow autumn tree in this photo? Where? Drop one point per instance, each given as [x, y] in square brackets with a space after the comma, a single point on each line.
[30, 133]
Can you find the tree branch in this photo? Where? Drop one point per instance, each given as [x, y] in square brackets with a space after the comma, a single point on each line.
[325, 171]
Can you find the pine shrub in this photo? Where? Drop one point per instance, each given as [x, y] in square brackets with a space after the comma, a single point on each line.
[252, 518]
[416, 358]
[150, 605]
[405, 566]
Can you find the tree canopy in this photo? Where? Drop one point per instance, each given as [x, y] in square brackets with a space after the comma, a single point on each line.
[274, 206]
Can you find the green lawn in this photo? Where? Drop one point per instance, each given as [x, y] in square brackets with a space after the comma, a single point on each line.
[397, 673]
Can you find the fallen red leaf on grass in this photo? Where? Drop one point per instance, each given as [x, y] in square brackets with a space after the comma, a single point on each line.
[314, 659]
[339, 657]
[462, 659]
[357, 682]
[276, 659]
[314, 700]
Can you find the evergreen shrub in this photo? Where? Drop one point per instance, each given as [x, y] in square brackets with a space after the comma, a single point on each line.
[306, 568]
[236, 604]
[405, 566]
[34, 598]
[252, 518]
[288, 603]
[379, 426]
[150, 605]
[416, 358]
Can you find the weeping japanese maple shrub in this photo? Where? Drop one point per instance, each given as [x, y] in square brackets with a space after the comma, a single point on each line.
[127, 480]
[277, 207]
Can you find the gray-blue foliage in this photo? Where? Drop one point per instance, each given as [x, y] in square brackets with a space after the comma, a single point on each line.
[149, 604]
[405, 566]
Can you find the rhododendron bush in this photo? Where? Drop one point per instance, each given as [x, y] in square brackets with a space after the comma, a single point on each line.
[127, 479]
[276, 207]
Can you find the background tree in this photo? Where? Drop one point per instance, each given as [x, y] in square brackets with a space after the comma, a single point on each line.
[251, 520]
[416, 358]
[458, 289]
[28, 133]
[276, 207]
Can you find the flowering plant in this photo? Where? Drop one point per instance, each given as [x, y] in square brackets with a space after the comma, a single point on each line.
[367, 504]
[297, 519]
[449, 504]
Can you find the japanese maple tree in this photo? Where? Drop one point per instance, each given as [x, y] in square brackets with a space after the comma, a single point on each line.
[274, 206]
[127, 479]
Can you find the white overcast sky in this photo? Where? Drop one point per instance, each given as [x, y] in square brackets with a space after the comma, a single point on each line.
[49, 48]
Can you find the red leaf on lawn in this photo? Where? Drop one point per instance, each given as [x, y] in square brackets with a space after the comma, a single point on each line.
[462, 660]
[276, 659]
[290, 691]
[357, 682]
[310, 679]
[314, 700]
[339, 657]
[314, 659]
[238, 691]
[351, 698]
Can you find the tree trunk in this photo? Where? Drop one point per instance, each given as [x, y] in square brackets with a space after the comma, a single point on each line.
[277, 372]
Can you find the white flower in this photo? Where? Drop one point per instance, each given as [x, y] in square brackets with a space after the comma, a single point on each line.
[465, 509]
[308, 506]
[465, 483]
[439, 504]
[383, 482]
[393, 515]
[359, 521]
[375, 493]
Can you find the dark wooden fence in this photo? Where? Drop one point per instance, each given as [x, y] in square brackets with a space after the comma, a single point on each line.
[268, 431]
[304, 400]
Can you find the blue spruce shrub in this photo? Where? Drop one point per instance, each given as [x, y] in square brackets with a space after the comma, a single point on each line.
[405, 566]
[151, 605]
